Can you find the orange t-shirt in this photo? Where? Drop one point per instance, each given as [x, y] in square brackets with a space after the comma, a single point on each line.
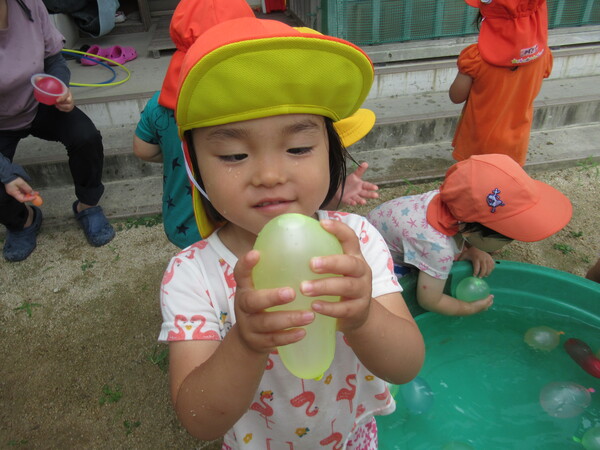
[498, 113]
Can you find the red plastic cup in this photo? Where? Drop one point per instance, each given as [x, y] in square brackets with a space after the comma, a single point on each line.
[47, 89]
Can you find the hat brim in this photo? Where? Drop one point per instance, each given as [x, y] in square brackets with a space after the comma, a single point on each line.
[473, 3]
[548, 216]
[352, 129]
[247, 69]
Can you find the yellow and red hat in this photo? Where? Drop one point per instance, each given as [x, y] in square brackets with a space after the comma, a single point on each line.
[513, 32]
[190, 19]
[248, 68]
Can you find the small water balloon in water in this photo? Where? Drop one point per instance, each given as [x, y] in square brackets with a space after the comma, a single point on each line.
[591, 439]
[457, 445]
[472, 288]
[543, 338]
[416, 395]
[564, 399]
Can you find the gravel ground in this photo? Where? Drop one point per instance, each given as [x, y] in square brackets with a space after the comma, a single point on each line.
[78, 331]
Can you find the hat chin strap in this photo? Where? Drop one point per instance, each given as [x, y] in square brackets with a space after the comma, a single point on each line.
[191, 176]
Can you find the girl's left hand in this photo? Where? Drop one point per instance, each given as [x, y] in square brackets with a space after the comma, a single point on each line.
[354, 286]
[65, 103]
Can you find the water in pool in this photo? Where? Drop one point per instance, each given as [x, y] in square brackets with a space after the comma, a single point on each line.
[486, 382]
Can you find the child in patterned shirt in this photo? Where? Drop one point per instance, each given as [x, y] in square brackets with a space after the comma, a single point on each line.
[484, 202]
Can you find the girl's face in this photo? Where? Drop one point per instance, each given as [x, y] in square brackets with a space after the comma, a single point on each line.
[258, 169]
[486, 244]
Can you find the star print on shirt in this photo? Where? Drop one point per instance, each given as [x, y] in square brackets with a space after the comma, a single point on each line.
[182, 229]
[405, 211]
[188, 189]
[175, 163]
[169, 202]
[435, 247]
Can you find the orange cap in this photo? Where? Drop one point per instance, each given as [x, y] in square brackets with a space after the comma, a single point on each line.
[513, 32]
[190, 19]
[496, 192]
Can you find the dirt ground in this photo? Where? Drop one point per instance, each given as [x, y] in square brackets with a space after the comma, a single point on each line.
[81, 367]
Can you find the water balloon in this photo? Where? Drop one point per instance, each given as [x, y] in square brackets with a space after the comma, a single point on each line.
[286, 245]
[591, 439]
[582, 355]
[564, 399]
[543, 338]
[472, 288]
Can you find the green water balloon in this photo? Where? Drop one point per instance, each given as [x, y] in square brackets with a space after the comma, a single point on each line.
[286, 245]
[471, 289]
[542, 338]
[591, 439]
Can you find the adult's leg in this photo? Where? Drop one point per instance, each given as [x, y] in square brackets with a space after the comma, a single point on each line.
[13, 214]
[86, 157]
[84, 148]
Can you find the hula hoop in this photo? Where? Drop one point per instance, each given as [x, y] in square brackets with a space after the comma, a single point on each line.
[114, 73]
[106, 83]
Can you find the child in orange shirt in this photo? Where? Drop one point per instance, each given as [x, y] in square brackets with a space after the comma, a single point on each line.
[499, 78]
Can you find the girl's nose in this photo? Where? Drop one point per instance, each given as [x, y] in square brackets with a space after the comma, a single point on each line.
[268, 172]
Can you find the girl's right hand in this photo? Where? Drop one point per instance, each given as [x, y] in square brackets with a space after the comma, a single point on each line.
[261, 330]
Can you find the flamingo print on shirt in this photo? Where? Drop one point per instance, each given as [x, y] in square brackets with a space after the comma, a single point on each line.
[265, 411]
[335, 437]
[228, 276]
[348, 394]
[306, 397]
[185, 327]
[169, 273]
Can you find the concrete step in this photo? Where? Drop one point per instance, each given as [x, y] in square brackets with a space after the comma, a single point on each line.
[142, 195]
[408, 120]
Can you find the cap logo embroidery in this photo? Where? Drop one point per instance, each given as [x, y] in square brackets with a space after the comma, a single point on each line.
[493, 200]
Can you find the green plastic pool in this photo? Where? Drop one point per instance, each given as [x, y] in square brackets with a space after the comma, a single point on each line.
[482, 386]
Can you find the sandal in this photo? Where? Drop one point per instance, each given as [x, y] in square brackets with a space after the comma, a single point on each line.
[120, 54]
[95, 226]
[94, 50]
[19, 244]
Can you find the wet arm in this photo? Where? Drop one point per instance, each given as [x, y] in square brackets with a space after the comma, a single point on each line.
[430, 295]
[389, 343]
[213, 383]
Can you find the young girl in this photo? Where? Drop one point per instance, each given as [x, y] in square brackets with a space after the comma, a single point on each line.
[256, 106]
[484, 202]
[500, 77]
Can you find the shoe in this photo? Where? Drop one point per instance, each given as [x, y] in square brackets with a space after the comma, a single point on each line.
[19, 244]
[96, 228]
[94, 50]
[120, 54]
[120, 17]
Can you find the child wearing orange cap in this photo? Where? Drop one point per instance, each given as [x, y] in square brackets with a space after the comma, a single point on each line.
[156, 138]
[484, 202]
[256, 110]
[500, 77]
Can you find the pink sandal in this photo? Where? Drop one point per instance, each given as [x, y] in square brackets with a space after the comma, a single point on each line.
[120, 54]
[94, 50]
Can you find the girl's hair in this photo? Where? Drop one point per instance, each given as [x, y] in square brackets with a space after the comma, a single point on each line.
[337, 169]
[478, 19]
[485, 232]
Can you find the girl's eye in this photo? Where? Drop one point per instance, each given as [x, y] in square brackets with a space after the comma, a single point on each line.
[233, 158]
[300, 150]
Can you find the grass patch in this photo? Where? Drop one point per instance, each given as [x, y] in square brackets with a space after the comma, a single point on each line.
[26, 307]
[565, 249]
[137, 222]
[110, 395]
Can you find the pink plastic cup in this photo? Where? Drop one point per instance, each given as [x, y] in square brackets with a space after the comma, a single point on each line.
[47, 89]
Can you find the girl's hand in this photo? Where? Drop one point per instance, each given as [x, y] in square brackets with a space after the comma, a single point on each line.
[65, 102]
[20, 190]
[357, 191]
[483, 263]
[354, 286]
[261, 330]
